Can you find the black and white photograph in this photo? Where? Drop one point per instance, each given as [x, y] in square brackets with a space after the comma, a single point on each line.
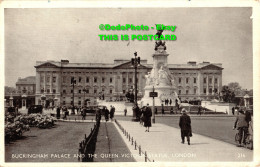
[128, 84]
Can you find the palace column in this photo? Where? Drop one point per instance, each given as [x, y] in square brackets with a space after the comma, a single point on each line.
[207, 84]
[51, 82]
[44, 82]
[213, 84]
[38, 82]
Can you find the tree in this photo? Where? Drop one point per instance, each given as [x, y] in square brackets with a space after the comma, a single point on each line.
[235, 87]
[227, 94]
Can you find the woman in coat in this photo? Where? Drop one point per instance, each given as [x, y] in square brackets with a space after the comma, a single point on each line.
[147, 114]
[185, 125]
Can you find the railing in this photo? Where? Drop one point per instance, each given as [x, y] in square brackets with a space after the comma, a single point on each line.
[133, 142]
[88, 146]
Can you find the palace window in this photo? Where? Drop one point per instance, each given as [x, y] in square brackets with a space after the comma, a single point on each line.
[179, 80]
[124, 80]
[95, 79]
[210, 90]
[64, 91]
[195, 90]
[205, 90]
[195, 80]
[87, 80]
[64, 102]
[103, 80]
[210, 80]
[187, 91]
[71, 91]
[110, 91]
[205, 80]
[42, 90]
[130, 80]
[54, 90]
[179, 92]
[54, 79]
[79, 79]
[216, 80]
[87, 90]
[95, 91]
[79, 103]
[42, 78]
[48, 90]
[187, 80]
[123, 91]
[79, 91]
[111, 80]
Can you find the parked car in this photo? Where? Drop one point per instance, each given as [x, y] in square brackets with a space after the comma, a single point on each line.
[35, 109]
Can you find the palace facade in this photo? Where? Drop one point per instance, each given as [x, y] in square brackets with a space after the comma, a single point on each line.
[193, 81]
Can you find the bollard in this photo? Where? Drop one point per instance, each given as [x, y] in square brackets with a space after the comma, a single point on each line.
[140, 150]
[132, 141]
[135, 144]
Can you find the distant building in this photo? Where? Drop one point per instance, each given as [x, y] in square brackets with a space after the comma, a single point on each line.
[26, 85]
[53, 80]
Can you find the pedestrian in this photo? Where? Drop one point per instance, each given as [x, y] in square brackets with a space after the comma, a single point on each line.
[147, 114]
[199, 110]
[106, 114]
[58, 112]
[142, 115]
[242, 126]
[170, 102]
[125, 111]
[112, 111]
[233, 110]
[185, 126]
[171, 112]
[65, 110]
[162, 110]
[84, 113]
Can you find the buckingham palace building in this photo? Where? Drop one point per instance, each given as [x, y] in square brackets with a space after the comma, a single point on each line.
[193, 81]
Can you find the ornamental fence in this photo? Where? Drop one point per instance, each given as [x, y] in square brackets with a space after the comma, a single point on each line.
[134, 143]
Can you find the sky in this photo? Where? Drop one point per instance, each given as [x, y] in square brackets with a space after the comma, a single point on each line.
[218, 35]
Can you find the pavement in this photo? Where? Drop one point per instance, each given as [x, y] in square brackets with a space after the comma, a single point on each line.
[163, 143]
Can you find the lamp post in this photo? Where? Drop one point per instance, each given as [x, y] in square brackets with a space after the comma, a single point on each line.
[135, 62]
[73, 82]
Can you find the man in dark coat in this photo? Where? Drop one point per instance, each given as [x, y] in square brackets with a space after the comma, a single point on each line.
[58, 112]
[147, 114]
[185, 125]
[242, 126]
[106, 114]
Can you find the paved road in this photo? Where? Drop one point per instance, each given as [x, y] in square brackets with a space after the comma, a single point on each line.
[54, 145]
[163, 143]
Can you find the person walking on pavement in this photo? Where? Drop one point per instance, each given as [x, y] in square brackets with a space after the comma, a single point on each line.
[106, 114]
[199, 110]
[185, 125]
[112, 112]
[84, 113]
[147, 114]
[233, 110]
[125, 111]
[162, 110]
[242, 126]
[58, 112]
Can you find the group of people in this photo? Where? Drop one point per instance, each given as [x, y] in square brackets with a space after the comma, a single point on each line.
[145, 115]
[108, 114]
